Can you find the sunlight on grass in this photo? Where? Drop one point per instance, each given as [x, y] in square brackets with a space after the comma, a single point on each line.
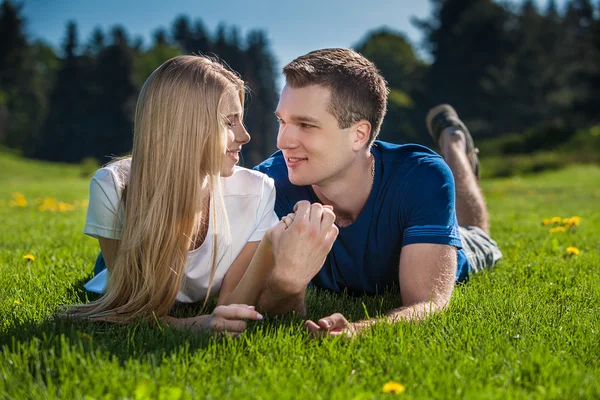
[530, 328]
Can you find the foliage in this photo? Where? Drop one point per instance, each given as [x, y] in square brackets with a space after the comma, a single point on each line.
[507, 67]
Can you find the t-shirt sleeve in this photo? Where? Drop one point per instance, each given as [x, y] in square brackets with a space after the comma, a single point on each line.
[103, 217]
[429, 215]
[265, 215]
[283, 188]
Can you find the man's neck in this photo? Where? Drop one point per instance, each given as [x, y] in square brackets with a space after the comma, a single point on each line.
[348, 193]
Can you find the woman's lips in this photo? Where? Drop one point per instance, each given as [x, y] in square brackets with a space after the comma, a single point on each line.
[234, 155]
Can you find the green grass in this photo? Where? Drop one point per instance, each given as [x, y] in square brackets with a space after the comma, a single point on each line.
[530, 328]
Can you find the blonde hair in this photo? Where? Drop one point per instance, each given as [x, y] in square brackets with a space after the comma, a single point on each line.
[179, 142]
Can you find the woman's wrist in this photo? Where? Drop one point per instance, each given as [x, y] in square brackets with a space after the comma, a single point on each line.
[197, 322]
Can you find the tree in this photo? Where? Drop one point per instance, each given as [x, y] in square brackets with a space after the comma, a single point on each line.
[259, 75]
[469, 44]
[393, 54]
[16, 73]
[111, 115]
[65, 128]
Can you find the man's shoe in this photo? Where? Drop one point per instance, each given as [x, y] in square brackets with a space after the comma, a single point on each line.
[444, 116]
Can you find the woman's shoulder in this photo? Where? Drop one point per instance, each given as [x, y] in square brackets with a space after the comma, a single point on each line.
[246, 181]
[115, 174]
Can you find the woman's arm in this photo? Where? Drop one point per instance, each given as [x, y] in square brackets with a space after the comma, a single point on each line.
[109, 248]
[246, 277]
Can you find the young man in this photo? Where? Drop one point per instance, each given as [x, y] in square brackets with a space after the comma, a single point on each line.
[395, 205]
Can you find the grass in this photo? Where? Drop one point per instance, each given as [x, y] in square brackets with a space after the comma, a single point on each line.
[530, 328]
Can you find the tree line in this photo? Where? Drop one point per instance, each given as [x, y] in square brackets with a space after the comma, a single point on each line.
[507, 68]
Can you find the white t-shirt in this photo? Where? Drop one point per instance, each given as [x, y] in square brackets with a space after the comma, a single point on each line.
[249, 198]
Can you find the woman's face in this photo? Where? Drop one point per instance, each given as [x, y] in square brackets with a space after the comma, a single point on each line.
[237, 136]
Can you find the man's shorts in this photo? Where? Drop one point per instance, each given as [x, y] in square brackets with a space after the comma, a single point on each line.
[482, 252]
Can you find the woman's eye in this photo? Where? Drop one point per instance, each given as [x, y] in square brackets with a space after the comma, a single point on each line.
[231, 124]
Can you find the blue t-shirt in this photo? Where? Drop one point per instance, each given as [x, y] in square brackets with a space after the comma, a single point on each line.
[411, 201]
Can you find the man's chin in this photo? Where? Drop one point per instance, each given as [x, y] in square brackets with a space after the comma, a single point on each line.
[299, 180]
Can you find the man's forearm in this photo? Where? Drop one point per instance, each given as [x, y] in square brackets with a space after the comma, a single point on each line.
[274, 300]
[415, 312]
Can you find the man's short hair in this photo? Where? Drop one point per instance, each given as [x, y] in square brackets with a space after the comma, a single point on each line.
[358, 90]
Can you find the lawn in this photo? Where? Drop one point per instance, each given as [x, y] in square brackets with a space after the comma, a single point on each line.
[530, 328]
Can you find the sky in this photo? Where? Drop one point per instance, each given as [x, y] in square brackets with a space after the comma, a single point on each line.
[293, 27]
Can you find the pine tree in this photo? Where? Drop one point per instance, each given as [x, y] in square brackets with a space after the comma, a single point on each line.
[65, 128]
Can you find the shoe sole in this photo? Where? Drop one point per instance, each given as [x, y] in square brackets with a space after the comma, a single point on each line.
[471, 150]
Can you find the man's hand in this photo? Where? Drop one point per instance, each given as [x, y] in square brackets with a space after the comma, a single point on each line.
[334, 325]
[300, 245]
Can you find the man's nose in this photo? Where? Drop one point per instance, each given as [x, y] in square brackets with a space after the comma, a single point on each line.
[285, 137]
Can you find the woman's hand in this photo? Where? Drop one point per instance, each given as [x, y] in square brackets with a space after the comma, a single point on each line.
[228, 318]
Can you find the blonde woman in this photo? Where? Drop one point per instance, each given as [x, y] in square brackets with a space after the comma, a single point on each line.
[178, 220]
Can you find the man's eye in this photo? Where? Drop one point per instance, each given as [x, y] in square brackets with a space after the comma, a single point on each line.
[280, 121]
[306, 126]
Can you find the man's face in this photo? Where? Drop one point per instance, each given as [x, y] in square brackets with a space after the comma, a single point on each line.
[315, 149]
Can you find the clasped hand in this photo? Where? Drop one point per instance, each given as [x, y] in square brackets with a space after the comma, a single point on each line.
[301, 242]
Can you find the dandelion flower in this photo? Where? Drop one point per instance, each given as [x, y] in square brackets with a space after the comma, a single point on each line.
[393, 387]
[572, 250]
[17, 301]
[18, 200]
[558, 229]
[546, 221]
[29, 257]
[556, 220]
[49, 204]
[63, 207]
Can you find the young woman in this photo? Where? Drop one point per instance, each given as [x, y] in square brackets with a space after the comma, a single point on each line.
[169, 226]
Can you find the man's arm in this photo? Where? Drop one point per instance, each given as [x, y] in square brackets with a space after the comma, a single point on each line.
[426, 272]
[276, 299]
[299, 251]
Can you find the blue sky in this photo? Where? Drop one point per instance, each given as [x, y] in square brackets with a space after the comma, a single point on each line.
[293, 27]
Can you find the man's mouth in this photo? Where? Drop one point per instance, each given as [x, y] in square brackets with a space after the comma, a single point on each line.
[293, 161]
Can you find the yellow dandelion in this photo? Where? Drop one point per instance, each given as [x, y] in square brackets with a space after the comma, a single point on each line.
[49, 204]
[546, 221]
[558, 229]
[18, 200]
[572, 250]
[29, 257]
[17, 302]
[64, 207]
[393, 387]
[556, 220]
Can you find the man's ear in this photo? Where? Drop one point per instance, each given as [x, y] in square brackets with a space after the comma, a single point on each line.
[362, 134]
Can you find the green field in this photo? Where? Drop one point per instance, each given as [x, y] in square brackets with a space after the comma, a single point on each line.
[530, 328]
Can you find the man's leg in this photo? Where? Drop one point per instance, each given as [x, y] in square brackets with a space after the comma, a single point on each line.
[459, 151]
[456, 146]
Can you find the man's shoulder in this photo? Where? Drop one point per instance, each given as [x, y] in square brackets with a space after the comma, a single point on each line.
[404, 160]
[401, 153]
[274, 166]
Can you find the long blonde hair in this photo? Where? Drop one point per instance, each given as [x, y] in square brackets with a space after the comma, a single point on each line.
[179, 142]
